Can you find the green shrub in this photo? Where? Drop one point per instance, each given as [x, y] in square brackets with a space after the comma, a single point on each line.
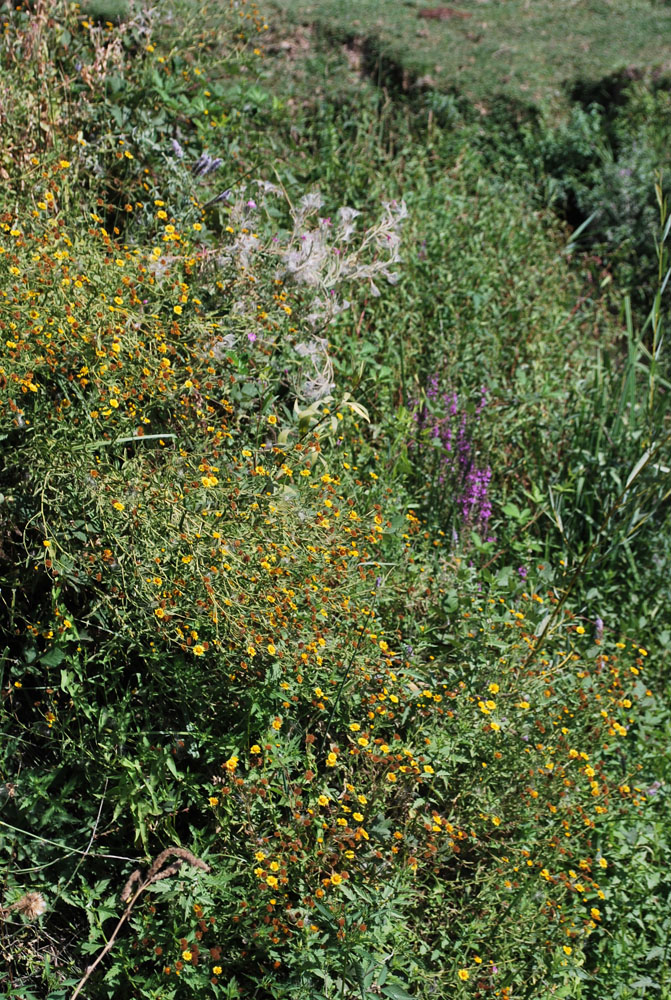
[283, 712]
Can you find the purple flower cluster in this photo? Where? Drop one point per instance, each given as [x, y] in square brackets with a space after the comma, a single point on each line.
[445, 432]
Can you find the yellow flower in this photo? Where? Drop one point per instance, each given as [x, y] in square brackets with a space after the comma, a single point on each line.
[493, 688]
[272, 882]
[271, 649]
[336, 879]
[580, 630]
[46, 543]
[177, 310]
[272, 419]
[159, 612]
[118, 505]
[64, 164]
[358, 817]
[217, 970]
[463, 974]
[198, 650]
[255, 749]
[567, 949]
[595, 914]
[603, 863]
[277, 724]
[186, 955]
[213, 800]
[323, 800]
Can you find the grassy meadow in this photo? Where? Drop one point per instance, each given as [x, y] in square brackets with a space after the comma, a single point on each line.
[534, 53]
[335, 549]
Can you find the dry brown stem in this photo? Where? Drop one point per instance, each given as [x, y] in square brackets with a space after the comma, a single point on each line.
[155, 873]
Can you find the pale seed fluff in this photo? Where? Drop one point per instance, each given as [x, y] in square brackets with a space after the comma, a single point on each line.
[32, 905]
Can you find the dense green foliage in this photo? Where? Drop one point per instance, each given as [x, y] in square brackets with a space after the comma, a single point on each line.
[335, 549]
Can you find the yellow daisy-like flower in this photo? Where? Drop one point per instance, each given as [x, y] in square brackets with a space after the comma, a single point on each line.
[118, 505]
[463, 974]
[198, 650]
[177, 310]
[272, 419]
[187, 955]
[255, 748]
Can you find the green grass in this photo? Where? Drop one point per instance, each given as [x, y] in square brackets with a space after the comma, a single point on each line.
[532, 53]
[378, 678]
